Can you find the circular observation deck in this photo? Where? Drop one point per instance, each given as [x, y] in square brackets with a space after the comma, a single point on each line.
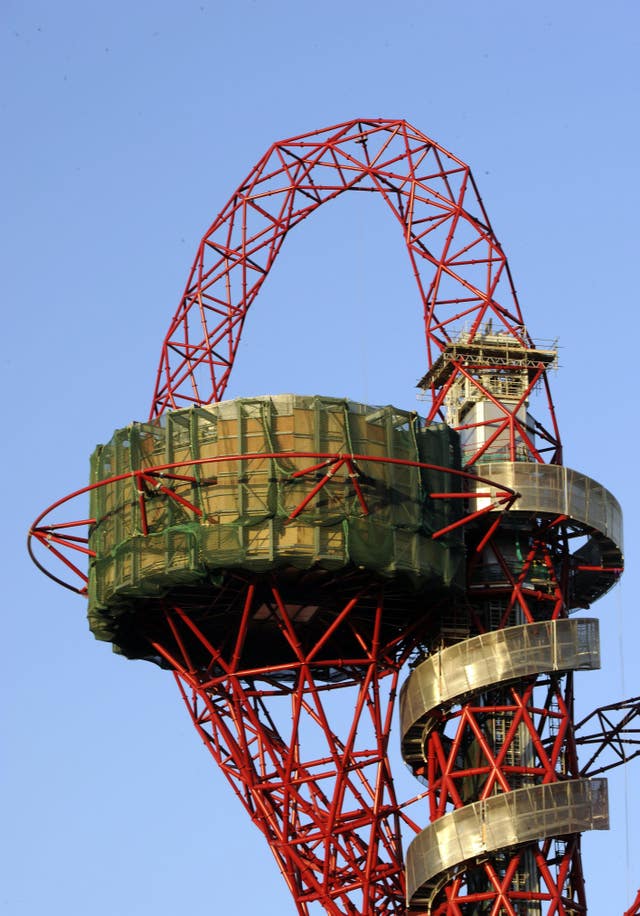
[321, 496]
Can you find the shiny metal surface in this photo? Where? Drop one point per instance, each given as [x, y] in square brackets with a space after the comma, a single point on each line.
[493, 658]
[591, 510]
[497, 823]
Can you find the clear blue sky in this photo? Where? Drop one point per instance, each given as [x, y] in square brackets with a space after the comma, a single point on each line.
[126, 126]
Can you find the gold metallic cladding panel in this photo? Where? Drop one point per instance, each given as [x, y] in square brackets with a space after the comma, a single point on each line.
[590, 509]
[555, 490]
[500, 822]
[493, 658]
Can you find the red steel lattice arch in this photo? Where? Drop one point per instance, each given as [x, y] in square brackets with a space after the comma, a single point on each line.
[460, 269]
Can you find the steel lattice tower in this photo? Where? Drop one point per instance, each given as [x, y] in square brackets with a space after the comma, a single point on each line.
[466, 565]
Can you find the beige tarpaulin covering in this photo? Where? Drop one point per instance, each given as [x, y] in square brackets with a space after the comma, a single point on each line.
[157, 533]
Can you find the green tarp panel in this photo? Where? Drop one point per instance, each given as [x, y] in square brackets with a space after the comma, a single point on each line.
[156, 533]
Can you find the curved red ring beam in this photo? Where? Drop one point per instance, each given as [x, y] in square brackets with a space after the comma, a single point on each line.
[44, 533]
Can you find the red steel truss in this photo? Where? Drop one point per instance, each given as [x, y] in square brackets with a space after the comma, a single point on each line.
[333, 820]
[612, 731]
[461, 272]
[635, 907]
[321, 791]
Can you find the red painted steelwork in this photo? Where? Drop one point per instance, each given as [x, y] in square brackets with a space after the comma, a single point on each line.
[332, 816]
[463, 282]
[612, 730]
[635, 907]
[460, 269]
[475, 750]
[53, 532]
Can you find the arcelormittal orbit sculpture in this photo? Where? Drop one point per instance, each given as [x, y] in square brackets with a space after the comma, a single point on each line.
[286, 556]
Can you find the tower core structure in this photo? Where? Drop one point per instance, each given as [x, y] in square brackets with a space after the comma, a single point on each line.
[285, 557]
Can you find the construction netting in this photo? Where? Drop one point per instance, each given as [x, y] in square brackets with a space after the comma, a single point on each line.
[264, 483]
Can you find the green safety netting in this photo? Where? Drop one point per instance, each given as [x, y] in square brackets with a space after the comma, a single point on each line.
[149, 541]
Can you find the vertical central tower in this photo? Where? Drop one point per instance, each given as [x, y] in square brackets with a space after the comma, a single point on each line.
[487, 716]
